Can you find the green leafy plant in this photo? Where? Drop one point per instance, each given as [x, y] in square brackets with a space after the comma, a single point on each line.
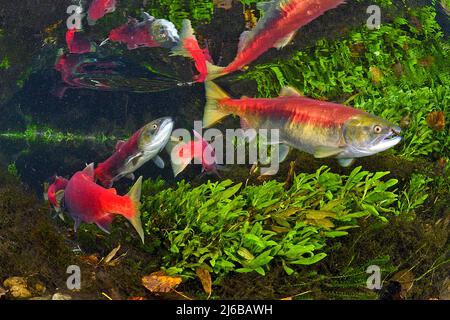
[226, 227]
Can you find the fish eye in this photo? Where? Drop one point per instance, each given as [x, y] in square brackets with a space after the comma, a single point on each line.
[155, 126]
[377, 129]
[180, 138]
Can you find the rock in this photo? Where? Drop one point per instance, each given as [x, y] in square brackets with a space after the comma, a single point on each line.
[2, 292]
[60, 296]
[17, 287]
[40, 288]
[42, 298]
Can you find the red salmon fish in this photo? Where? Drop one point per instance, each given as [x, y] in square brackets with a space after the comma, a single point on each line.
[55, 192]
[277, 27]
[88, 202]
[134, 35]
[321, 128]
[76, 43]
[182, 153]
[188, 47]
[99, 8]
[144, 145]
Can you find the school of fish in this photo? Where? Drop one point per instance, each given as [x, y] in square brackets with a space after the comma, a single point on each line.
[323, 129]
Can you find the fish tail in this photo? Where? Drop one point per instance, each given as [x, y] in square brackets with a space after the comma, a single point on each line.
[193, 51]
[186, 33]
[135, 196]
[179, 163]
[213, 110]
[214, 71]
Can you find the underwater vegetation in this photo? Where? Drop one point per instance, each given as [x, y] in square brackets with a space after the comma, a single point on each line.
[308, 233]
[227, 227]
[52, 136]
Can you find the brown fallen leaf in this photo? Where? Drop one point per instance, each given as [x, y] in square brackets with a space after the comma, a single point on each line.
[111, 255]
[376, 74]
[436, 120]
[205, 278]
[92, 259]
[160, 282]
[136, 298]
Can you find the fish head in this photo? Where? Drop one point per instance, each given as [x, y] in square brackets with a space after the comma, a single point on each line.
[155, 135]
[164, 32]
[366, 134]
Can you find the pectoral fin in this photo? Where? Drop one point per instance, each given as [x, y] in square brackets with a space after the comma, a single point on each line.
[135, 159]
[285, 41]
[289, 92]
[105, 222]
[283, 152]
[346, 162]
[159, 162]
[243, 40]
[325, 152]
[119, 144]
[130, 176]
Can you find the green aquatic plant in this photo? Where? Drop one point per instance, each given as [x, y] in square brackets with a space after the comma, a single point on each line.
[12, 170]
[4, 64]
[224, 227]
[394, 71]
[415, 194]
[48, 135]
[198, 11]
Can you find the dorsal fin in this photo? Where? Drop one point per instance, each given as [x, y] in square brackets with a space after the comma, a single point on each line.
[289, 92]
[89, 170]
[119, 144]
[285, 41]
[244, 39]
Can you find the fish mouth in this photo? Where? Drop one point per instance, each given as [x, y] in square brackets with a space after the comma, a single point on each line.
[388, 141]
[162, 136]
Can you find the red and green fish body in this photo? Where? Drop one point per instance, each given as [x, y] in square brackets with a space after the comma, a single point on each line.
[200, 149]
[144, 145]
[321, 128]
[109, 170]
[188, 47]
[134, 35]
[282, 18]
[88, 202]
[76, 43]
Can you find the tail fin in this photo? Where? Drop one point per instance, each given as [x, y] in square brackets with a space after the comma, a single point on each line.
[214, 71]
[186, 33]
[193, 51]
[135, 196]
[178, 162]
[213, 112]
